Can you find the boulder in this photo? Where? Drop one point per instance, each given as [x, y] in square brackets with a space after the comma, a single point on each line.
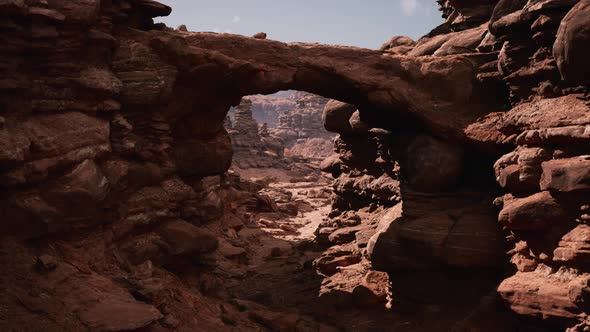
[463, 42]
[535, 212]
[357, 125]
[566, 175]
[398, 45]
[77, 195]
[427, 46]
[544, 294]
[572, 46]
[346, 234]
[260, 35]
[520, 171]
[432, 165]
[425, 232]
[204, 157]
[336, 117]
[398, 41]
[574, 247]
[186, 239]
[332, 165]
[118, 315]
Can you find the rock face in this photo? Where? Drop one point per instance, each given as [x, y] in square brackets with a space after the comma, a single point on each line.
[531, 58]
[253, 148]
[268, 108]
[571, 49]
[454, 232]
[116, 203]
[306, 116]
[301, 128]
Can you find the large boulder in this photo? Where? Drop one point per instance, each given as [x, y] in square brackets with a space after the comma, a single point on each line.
[572, 46]
[535, 212]
[431, 164]
[336, 117]
[426, 232]
[187, 239]
[544, 294]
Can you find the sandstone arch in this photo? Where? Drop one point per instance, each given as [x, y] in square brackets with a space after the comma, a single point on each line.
[439, 92]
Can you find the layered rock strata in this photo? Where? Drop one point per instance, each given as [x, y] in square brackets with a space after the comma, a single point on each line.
[302, 131]
[531, 50]
[113, 161]
[253, 147]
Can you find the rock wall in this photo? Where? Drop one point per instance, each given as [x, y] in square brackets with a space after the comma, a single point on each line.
[301, 128]
[113, 161]
[440, 195]
[254, 147]
[113, 168]
[267, 109]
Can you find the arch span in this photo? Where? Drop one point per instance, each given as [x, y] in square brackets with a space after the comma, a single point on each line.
[440, 92]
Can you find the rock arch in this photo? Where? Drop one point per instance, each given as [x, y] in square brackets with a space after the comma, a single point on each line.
[438, 92]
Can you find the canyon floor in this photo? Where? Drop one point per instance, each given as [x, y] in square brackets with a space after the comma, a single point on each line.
[278, 283]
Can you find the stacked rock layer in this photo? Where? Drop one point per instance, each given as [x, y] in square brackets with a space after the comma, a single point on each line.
[113, 160]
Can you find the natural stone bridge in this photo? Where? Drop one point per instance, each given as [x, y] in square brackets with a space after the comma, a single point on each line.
[439, 92]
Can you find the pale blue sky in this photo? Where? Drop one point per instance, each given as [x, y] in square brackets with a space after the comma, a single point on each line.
[364, 23]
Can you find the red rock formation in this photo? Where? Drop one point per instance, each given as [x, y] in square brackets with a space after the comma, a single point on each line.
[547, 127]
[113, 161]
[302, 131]
[267, 109]
[252, 147]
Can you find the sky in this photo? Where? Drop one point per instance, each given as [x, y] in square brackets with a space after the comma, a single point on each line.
[362, 23]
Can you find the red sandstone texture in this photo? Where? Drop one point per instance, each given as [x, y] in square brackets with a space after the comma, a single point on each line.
[461, 187]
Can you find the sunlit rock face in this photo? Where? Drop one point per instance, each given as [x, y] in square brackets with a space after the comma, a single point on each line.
[253, 146]
[455, 154]
[302, 131]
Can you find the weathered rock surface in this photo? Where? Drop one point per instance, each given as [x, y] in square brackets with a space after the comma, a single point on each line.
[114, 159]
[526, 57]
[571, 49]
[301, 129]
[253, 148]
[268, 108]
[419, 234]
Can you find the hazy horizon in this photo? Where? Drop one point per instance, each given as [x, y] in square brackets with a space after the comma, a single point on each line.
[366, 24]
